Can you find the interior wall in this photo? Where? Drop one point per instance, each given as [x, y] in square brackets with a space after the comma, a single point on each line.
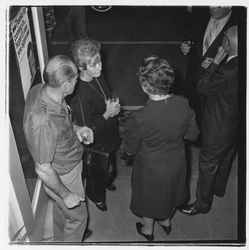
[127, 35]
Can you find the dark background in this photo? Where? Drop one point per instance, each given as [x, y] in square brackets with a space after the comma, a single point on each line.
[128, 34]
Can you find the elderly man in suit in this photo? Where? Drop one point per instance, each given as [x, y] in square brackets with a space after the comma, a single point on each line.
[219, 124]
[201, 44]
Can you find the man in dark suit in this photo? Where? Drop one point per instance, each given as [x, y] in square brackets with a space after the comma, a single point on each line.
[219, 124]
[201, 44]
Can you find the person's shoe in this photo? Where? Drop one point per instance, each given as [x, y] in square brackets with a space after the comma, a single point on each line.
[101, 206]
[191, 209]
[219, 193]
[87, 234]
[167, 229]
[111, 187]
[148, 237]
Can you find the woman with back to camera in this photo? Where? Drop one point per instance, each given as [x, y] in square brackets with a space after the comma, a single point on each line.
[100, 112]
[156, 138]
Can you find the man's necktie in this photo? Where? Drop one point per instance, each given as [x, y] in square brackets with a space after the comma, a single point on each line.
[210, 37]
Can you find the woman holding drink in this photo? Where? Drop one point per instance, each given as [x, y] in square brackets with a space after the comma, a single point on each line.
[100, 109]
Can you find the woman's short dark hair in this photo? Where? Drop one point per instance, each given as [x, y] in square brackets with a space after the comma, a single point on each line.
[156, 75]
[84, 49]
[59, 69]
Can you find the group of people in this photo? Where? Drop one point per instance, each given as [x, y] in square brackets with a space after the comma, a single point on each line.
[155, 137]
[214, 99]
[54, 140]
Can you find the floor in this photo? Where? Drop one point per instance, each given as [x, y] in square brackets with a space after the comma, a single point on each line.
[117, 224]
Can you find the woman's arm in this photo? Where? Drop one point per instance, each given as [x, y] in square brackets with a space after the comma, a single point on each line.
[133, 137]
[192, 131]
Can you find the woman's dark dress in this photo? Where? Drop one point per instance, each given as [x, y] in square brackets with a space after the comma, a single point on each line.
[106, 132]
[159, 173]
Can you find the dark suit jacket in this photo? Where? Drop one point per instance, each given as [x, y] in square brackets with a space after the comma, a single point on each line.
[200, 18]
[200, 21]
[220, 118]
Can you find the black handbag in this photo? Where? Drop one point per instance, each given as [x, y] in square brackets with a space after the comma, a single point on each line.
[96, 164]
[95, 159]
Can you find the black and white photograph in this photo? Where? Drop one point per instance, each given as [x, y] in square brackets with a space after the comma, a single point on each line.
[125, 124]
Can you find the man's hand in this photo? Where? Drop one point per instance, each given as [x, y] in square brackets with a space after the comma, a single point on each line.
[206, 63]
[72, 200]
[54, 186]
[185, 47]
[84, 134]
[220, 55]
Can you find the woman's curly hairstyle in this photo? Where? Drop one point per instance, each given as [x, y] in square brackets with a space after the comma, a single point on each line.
[156, 75]
[84, 49]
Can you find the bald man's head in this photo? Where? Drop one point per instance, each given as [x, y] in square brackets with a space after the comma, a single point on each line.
[59, 69]
[230, 41]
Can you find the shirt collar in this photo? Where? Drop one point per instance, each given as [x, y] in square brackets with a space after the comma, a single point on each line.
[51, 103]
[223, 20]
[230, 58]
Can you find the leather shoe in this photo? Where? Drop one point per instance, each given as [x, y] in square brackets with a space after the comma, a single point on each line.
[101, 206]
[167, 229]
[87, 234]
[191, 209]
[219, 192]
[111, 187]
[148, 237]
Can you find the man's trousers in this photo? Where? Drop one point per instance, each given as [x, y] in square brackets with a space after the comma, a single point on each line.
[215, 162]
[69, 224]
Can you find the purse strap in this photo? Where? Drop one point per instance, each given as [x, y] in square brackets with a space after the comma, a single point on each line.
[103, 95]
[82, 112]
[84, 124]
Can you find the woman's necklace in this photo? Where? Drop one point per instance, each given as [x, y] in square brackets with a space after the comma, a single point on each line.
[102, 94]
[101, 89]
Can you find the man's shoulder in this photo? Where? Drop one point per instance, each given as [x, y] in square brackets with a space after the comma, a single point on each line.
[227, 68]
[35, 107]
[38, 115]
[36, 88]
[33, 94]
[38, 119]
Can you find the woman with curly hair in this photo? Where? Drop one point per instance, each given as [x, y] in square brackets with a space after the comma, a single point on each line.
[93, 97]
[156, 138]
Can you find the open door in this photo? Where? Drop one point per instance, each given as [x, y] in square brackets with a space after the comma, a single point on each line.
[27, 56]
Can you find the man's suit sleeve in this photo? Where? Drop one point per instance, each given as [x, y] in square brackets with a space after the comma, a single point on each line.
[213, 81]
